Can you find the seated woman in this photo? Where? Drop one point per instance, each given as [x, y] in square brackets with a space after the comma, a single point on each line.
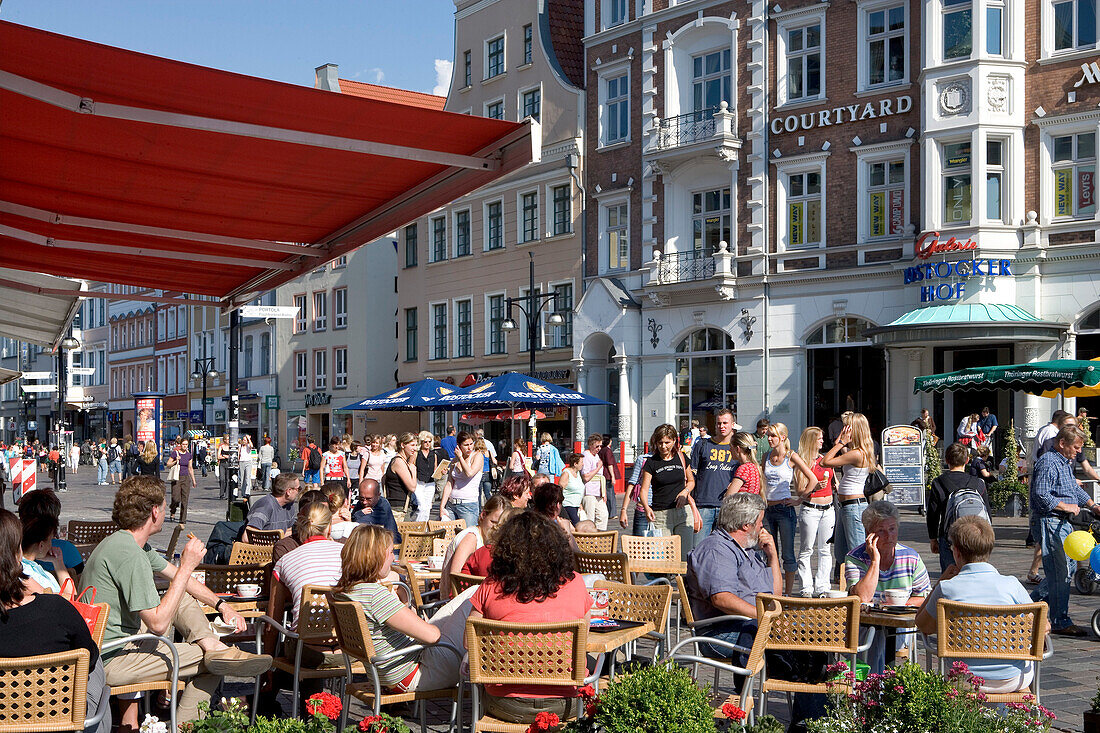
[337, 495]
[517, 489]
[44, 502]
[366, 558]
[469, 540]
[35, 622]
[38, 534]
[547, 500]
[531, 580]
[971, 579]
[478, 562]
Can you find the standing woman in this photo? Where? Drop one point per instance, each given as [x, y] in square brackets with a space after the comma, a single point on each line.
[818, 518]
[548, 458]
[779, 465]
[224, 452]
[462, 492]
[400, 478]
[487, 470]
[334, 463]
[148, 463]
[747, 476]
[426, 462]
[517, 462]
[375, 459]
[572, 487]
[857, 463]
[673, 510]
[244, 476]
[101, 463]
[355, 468]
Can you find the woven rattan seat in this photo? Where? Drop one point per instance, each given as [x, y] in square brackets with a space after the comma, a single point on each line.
[403, 528]
[247, 553]
[264, 536]
[613, 566]
[462, 581]
[417, 546]
[600, 543]
[46, 692]
[659, 555]
[90, 533]
[450, 527]
[226, 578]
[644, 603]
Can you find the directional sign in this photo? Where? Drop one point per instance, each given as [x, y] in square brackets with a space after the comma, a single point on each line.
[83, 371]
[39, 387]
[37, 375]
[269, 311]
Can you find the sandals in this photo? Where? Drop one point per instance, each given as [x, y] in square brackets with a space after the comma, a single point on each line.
[1032, 579]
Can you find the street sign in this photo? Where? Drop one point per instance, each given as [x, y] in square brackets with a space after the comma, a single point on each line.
[37, 375]
[271, 402]
[32, 425]
[194, 416]
[269, 311]
[208, 401]
[219, 415]
[83, 371]
[39, 387]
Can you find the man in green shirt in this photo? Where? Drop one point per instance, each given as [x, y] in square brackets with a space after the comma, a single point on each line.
[761, 436]
[121, 569]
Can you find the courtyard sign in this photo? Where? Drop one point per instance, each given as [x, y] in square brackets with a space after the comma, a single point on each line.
[1090, 74]
[841, 115]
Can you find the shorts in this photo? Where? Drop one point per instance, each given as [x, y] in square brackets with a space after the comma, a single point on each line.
[311, 477]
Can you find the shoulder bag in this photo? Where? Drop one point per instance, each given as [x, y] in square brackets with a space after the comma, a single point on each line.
[876, 482]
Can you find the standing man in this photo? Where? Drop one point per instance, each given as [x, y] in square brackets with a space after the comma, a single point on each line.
[267, 455]
[712, 460]
[1055, 499]
[1045, 434]
[450, 443]
[988, 424]
[761, 436]
[610, 472]
[311, 464]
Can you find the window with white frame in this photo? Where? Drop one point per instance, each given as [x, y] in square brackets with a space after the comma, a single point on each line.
[560, 337]
[494, 225]
[439, 238]
[495, 311]
[529, 216]
[462, 233]
[958, 33]
[528, 38]
[803, 220]
[410, 245]
[994, 27]
[616, 109]
[412, 334]
[615, 12]
[320, 310]
[246, 357]
[886, 44]
[301, 315]
[802, 61]
[494, 57]
[711, 81]
[340, 262]
[711, 220]
[618, 236]
[265, 354]
[320, 369]
[464, 328]
[495, 110]
[340, 367]
[531, 104]
[563, 209]
[994, 180]
[886, 196]
[439, 331]
[301, 371]
[467, 69]
[1074, 24]
[1073, 159]
[956, 183]
[340, 308]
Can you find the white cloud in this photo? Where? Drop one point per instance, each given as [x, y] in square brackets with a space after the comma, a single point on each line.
[443, 69]
[373, 76]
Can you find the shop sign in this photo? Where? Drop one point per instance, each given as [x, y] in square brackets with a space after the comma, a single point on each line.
[949, 270]
[923, 248]
[219, 415]
[841, 115]
[194, 416]
[1090, 74]
[32, 425]
[271, 402]
[318, 398]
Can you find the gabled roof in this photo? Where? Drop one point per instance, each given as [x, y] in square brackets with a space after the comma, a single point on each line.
[392, 94]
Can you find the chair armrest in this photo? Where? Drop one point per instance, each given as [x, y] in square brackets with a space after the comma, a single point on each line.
[658, 581]
[405, 651]
[1048, 647]
[708, 640]
[719, 619]
[870, 640]
[265, 619]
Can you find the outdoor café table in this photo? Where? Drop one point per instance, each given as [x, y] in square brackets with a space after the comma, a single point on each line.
[888, 623]
[607, 642]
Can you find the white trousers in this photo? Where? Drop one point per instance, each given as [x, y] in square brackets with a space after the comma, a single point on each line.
[425, 495]
[815, 528]
[594, 509]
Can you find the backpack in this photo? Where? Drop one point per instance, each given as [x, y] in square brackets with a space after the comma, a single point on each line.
[313, 460]
[114, 453]
[964, 502]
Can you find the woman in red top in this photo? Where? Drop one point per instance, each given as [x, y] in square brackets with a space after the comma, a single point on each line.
[747, 475]
[531, 580]
[478, 561]
[817, 519]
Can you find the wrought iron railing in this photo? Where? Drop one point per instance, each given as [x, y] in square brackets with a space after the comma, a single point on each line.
[678, 267]
[688, 128]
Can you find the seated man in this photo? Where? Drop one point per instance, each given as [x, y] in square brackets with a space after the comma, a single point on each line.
[725, 572]
[375, 508]
[276, 510]
[121, 568]
[971, 579]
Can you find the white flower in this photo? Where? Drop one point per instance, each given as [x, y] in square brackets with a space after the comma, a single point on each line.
[152, 724]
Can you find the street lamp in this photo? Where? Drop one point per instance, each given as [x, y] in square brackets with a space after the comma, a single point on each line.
[531, 306]
[204, 369]
[67, 344]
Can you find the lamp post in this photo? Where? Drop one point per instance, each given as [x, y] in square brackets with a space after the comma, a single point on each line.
[534, 306]
[67, 344]
[204, 368]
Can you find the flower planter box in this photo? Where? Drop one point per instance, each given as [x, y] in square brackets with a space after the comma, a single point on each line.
[1091, 722]
[1014, 507]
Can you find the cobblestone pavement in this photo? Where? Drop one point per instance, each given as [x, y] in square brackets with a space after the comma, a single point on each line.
[1068, 679]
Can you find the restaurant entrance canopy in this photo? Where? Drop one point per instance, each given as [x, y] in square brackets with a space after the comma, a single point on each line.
[128, 168]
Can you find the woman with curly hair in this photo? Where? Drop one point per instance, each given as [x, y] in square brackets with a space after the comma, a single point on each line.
[531, 580]
[548, 500]
[517, 489]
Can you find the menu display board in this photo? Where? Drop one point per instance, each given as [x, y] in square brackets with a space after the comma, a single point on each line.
[903, 464]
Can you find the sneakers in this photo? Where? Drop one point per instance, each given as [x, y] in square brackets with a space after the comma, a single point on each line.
[1071, 630]
[233, 662]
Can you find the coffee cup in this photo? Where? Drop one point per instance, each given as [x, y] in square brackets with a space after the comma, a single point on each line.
[435, 562]
[836, 594]
[248, 590]
[896, 596]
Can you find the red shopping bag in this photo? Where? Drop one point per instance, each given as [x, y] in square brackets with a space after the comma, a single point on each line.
[84, 603]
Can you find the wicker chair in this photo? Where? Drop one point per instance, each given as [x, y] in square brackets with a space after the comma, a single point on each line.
[315, 629]
[601, 543]
[461, 581]
[450, 527]
[425, 599]
[645, 603]
[526, 654]
[613, 566]
[90, 533]
[225, 578]
[658, 555]
[972, 631]
[355, 642]
[101, 623]
[172, 683]
[246, 553]
[46, 692]
[403, 528]
[439, 546]
[264, 536]
[417, 546]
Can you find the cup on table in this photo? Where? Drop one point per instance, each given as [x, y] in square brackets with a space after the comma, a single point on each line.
[836, 594]
[435, 562]
[895, 596]
[248, 590]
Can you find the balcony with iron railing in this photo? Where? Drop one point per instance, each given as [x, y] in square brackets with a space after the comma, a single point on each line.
[690, 271]
[708, 131]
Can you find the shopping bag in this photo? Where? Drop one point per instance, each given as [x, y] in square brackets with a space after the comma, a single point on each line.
[84, 603]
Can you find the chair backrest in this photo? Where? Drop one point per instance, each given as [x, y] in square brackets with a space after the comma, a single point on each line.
[100, 623]
[46, 692]
[89, 533]
[417, 546]
[403, 528]
[645, 603]
[652, 554]
[764, 624]
[1014, 632]
[685, 602]
[614, 566]
[315, 622]
[224, 578]
[246, 553]
[828, 625]
[462, 581]
[450, 527]
[597, 542]
[175, 540]
[264, 536]
[524, 653]
[351, 628]
[439, 546]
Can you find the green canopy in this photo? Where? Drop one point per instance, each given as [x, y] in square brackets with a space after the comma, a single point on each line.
[1034, 377]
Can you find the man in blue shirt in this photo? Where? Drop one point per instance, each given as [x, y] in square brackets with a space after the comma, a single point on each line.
[375, 508]
[712, 460]
[1056, 497]
[450, 443]
[988, 424]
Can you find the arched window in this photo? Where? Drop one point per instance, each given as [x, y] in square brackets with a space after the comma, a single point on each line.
[706, 376]
[1090, 323]
[840, 331]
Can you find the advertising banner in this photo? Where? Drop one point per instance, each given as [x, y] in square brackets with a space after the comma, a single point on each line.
[878, 214]
[1063, 203]
[147, 417]
[796, 224]
[1086, 188]
[897, 211]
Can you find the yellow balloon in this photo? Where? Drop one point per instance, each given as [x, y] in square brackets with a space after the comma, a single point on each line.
[1078, 545]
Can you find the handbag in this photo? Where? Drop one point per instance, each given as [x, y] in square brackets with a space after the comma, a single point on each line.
[86, 608]
[876, 482]
[174, 472]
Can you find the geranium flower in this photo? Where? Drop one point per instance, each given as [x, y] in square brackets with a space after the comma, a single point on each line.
[587, 692]
[543, 722]
[733, 712]
[326, 704]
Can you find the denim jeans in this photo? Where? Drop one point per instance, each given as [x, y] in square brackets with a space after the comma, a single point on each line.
[780, 521]
[1058, 569]
[947, 558]
[708, 514]
[101, 471]
[467, 510]
[851, 520]
[265, 476]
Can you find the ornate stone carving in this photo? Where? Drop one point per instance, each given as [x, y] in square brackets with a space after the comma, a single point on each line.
[996, 93]
[658, 299]
[955, 98]
[726, 292]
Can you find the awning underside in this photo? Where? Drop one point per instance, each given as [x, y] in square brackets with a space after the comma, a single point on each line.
[28, 314]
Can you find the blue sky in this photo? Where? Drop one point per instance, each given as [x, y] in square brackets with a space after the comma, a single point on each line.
[401, 43]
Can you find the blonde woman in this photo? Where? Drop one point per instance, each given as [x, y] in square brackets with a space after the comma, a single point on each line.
[779, 465]
[857, 463]
[400, 479]
[747, 476]
[817, 519]
[426, 463]
[148, 462]
[375, 459]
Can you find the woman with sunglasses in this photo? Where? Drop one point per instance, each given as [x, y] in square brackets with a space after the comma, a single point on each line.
[426, 462]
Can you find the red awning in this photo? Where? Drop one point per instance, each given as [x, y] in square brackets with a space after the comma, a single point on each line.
[129, 168]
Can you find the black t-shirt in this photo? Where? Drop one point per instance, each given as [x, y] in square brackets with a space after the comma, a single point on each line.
[47, 625]
[667, 480]
[425, 466]
[943, 486]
